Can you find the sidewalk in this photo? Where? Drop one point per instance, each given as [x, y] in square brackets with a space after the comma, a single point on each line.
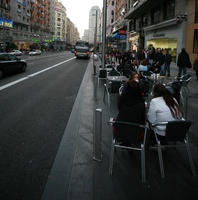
[76, 176]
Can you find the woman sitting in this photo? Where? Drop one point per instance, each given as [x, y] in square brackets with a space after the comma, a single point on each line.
[163, 108]
[131, 108]
[143, 66]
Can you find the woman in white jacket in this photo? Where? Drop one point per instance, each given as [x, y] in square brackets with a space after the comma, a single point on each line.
[163, 108]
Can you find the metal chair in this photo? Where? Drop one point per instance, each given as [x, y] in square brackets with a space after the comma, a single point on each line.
[176, 131]
[132, 139]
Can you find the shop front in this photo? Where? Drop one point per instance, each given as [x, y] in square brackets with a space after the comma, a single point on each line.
[133, 39]
[165, 43]
[171, 37]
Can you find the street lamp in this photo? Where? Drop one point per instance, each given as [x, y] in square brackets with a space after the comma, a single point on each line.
[104, 32]
[95, 38]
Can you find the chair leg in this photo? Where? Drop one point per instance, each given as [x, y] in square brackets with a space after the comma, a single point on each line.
[111, 157]
[159, 150]
[143, 169]
[190, 158]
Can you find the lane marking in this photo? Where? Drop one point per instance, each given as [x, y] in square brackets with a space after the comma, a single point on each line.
[34, 74]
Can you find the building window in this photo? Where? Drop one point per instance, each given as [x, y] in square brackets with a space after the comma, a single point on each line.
[169, 9]
[195, 43]
[112, 3]
[196, 11]
[155, 16]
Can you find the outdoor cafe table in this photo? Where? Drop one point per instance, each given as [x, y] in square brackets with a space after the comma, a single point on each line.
[117, 78]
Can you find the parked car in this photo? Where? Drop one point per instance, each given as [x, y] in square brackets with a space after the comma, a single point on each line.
[11, 64]
[35, 52]
[16, 53]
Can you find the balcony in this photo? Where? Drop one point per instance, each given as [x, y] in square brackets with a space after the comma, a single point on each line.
[139, 7]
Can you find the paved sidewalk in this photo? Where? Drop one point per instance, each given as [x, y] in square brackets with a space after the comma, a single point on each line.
[75, 176]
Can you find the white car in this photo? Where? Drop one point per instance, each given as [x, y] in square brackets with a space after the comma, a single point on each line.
[35, 52]
[16, 53]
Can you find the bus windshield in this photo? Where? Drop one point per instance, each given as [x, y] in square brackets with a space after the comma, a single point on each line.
[82, 44]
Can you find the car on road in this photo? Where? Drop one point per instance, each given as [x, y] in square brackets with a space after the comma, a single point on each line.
[35, 52]
[16, 52]
[11, 64]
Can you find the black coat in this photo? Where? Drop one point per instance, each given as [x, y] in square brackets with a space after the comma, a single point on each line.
[159, 57]
[131, 109]
[167, 58]
[183, 60]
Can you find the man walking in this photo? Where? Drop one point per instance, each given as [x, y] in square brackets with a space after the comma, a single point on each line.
[183, 62]
[159, 59]
[167, 62]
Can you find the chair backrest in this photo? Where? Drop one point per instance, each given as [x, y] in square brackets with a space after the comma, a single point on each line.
[177, 130]
[128, 132]
[115, 86]
[113, 72]
[103, 73]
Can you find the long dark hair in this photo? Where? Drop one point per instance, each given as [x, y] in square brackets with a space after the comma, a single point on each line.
[160, 91]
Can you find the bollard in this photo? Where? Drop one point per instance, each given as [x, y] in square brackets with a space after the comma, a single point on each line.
[97, 137]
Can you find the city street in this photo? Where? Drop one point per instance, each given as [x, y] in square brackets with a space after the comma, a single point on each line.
[34, 108]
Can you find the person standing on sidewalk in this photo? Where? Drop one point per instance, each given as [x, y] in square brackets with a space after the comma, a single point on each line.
[195, 66]
[159, 59]
[183, 62]
[167, 62]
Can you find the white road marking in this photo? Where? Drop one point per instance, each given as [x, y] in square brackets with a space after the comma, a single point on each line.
[32, 75]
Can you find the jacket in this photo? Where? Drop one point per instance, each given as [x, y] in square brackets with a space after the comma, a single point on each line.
[183, 60]
[167, 58]
[159, 112]
[131, 109]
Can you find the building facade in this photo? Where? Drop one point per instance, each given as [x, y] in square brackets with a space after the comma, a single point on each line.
[94, 17]
[192, 29]
[161, 24]
[86, 35]
[110, 16]
[5, 22]
[60, 21]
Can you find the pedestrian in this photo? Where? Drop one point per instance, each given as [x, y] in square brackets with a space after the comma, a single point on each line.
[183, 62]
[167, 62]
[159, 58]
[195, 66]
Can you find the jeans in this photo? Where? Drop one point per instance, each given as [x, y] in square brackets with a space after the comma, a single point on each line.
[167, 69]
[182, 69]
[162, 70]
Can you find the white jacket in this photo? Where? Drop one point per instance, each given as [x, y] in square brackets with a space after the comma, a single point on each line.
[159, 112]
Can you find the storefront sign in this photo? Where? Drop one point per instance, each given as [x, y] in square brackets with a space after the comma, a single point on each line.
[159, 35]
[33, 40]
[122, 32]
[6, 23]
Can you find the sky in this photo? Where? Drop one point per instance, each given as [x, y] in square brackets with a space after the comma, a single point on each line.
[78, 12]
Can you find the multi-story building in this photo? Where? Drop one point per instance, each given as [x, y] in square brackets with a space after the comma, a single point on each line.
[192, 29]
[21, 15]
[5, 23]
[86, 35]
[52, 19]
[118, 38]
[94, 18]
[161, 24]
[110, 16]
[60, 21]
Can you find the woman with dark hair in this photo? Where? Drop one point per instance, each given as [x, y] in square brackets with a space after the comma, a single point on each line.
[163, 108]
[131, 105]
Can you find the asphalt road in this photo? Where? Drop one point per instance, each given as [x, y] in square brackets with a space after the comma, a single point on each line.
[34, 109]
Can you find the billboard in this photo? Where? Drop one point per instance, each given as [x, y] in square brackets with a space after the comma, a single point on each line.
[6, 23]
